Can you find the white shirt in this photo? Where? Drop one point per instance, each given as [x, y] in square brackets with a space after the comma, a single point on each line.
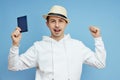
[58, 60]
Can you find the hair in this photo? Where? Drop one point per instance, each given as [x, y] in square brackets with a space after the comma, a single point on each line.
[47, 18]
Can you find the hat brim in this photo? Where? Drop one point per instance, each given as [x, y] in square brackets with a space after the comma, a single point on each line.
[45, 17]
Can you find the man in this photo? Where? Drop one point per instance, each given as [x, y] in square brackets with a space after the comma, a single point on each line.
[58, 56]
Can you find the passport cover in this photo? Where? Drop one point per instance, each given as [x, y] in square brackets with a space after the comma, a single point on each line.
[22, 23]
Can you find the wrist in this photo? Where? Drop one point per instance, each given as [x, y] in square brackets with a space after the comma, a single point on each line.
[97, 36]
[15, 44]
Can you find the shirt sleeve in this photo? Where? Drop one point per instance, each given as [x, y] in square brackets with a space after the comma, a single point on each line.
[97, 58]
[24, 61]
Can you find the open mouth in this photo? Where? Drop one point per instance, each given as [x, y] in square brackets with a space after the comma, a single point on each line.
[57, 30]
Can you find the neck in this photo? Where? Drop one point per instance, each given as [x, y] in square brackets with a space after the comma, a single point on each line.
[57, 38]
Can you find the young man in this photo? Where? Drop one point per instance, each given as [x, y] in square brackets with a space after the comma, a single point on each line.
[58, 56]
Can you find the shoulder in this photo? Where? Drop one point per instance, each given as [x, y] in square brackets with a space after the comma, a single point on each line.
[76, 42]
[41, 44]
[38, 43]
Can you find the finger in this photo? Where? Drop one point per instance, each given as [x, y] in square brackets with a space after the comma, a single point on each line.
[18, 28]
[16, 33]
[94, 29]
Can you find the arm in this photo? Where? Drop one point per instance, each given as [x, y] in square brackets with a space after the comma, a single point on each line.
[97, 58]
[24, 61]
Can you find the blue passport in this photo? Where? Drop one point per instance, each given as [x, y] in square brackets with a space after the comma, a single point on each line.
[22, 23]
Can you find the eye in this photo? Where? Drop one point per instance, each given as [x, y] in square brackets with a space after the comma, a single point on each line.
[52, 21]
[61, 20]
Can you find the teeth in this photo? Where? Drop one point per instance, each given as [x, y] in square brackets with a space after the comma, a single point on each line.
[56, 30]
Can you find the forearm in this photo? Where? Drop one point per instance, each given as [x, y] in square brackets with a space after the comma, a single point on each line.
[100, 51]
[13, 57]
[14, 61]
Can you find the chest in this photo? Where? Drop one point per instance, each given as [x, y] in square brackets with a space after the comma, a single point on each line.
[59, 56]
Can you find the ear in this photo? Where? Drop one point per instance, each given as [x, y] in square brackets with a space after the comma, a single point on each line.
[47, 23]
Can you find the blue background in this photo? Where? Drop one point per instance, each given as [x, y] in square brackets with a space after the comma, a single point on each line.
[82, 13]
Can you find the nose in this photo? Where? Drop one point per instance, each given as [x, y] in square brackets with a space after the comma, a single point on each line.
[57, 24]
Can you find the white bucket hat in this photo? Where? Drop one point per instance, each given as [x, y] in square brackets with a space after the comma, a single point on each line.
[57, 11]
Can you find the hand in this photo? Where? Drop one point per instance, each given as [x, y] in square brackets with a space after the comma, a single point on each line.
[16, 36]
[95, 31]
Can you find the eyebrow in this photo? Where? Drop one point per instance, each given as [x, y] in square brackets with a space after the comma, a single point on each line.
[59, 19]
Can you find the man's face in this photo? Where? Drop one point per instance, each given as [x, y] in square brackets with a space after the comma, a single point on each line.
[57, 26]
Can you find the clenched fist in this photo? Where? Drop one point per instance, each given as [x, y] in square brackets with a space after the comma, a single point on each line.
[16, 36]
[94, 31]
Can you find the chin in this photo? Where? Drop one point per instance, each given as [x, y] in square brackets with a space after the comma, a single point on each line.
[57, 35]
